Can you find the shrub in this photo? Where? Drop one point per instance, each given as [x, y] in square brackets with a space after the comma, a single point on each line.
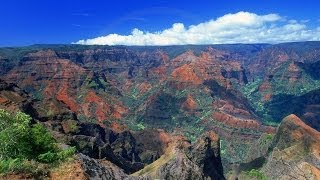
[42, 139]
[51, 157]
[14, 135]
[10, 164]
[22, 166]
[64, 154]
[22, 143]
[48, 157]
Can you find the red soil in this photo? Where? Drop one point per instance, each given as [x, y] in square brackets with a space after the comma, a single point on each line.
[63, 96]
[235, 122]
[267, 97]
[3, 100]
[101, 107]
[265, 86]
[190, 104]
[304, 129]
[186, 73]
[144, 87]
[117, 127]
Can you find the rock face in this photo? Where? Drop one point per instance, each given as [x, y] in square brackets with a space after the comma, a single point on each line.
[92, 169]
[182, 160]
[14, 99]
[296, 151]
[84, 167]
[205, 153]
[127, 150]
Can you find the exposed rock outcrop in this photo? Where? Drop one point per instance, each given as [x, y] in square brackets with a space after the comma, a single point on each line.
[296, 151]
[183, 160]
[14, 99]
[129, 151]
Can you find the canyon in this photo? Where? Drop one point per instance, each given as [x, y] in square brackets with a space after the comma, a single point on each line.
[173, 112]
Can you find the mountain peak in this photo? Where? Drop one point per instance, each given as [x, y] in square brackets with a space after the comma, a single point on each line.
[297, 129]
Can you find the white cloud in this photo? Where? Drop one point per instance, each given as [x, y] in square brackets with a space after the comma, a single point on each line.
[241, 27]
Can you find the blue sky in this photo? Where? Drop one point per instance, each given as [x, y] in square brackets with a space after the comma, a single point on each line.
[25, 22]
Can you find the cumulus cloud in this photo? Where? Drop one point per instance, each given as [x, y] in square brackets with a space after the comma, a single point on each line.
[241, 27]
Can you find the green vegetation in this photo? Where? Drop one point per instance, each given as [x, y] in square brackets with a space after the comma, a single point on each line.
[251, 87]
[136, 126]
[93, 84]
[269, 137]
[222, 147]
[191, 136]
[257, 174]
[72, 126]
[18, 165]
[140, 126]
[252, 93]
[25, 147]
[38, 95]
[168, 103]
[283, 89]
[270, 122]
[305, 83]
[134, 92]
[103, 82]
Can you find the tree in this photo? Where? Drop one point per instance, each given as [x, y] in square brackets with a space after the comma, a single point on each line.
[20, 139]
[14, 135]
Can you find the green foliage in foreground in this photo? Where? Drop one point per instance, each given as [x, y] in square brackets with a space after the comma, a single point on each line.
[23, 146]
[18, 165]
